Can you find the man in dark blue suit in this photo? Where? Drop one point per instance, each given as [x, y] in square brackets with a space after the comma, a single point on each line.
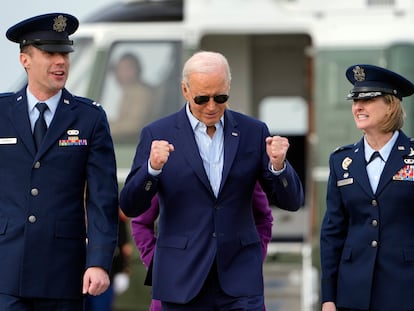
[58, 199]
[203, 162]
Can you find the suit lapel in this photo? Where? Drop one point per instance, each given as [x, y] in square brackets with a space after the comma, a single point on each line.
[20, 120]
[358, 161]
[63, 118]
[188, 144]
[231, 145]
[395, 161]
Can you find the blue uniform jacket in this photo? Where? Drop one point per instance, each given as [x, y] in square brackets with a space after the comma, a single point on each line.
[367, 239]
[195, 227]
[43, 226]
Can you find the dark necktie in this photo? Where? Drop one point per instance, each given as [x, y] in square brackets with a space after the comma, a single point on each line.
[40, 126]
[375, 155]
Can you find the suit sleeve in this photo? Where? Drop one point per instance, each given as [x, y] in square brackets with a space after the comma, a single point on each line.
[101, 200]
[332, 237]
[140, 186]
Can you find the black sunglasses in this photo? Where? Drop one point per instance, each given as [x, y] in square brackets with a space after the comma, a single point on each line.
[203, 99]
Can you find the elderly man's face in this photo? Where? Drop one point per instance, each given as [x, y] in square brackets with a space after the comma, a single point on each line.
[207, 84]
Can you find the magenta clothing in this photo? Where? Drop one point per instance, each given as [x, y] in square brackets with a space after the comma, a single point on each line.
[143, 232]
[143, 229]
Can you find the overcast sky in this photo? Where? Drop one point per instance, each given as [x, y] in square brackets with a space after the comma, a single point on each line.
[17, 10]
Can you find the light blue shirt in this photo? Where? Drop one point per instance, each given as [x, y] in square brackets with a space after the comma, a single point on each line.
[211, 149]
[52, 104]
[376, 166]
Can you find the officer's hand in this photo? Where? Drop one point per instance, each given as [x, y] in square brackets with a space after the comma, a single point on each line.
[95, 281]
[160, 151]
[328, 306]
[276, 148]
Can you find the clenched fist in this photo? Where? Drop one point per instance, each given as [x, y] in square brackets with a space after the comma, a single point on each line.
[276, 148]
[160, 151]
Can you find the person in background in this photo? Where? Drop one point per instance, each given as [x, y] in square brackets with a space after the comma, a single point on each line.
[59, 191]
[367, 233]
[203, 163]
[144, 231]
[120, 272]
[136, 104]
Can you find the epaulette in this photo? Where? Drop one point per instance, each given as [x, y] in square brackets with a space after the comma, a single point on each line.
[341, 148]
[88, 101]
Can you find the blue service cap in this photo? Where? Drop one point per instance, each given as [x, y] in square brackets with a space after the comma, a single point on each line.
[48, 32]
[371, 81]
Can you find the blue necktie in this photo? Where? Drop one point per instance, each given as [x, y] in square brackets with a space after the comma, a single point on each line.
[375, 155]
[40, 126]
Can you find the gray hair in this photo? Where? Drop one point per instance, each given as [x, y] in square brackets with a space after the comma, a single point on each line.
[205, 62]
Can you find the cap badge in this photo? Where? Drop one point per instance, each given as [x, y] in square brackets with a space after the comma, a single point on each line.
[59, 23]
[359, 73]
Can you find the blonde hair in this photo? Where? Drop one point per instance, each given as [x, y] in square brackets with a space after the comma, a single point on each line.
[395, 119]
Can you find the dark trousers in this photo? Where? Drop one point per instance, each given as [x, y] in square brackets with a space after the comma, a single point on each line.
[13, 303]
[212, 298]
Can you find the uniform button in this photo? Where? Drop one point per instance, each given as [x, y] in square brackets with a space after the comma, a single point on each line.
[34, 192]
[37, 164]
[374, 243]
[374, 202]
[374, 223]
[32, 219]
[214, 235]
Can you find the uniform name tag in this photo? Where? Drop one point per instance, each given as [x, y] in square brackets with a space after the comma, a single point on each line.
[344, 182]
[8, 141]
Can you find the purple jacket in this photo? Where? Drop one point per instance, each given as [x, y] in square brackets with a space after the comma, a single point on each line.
[143, 229]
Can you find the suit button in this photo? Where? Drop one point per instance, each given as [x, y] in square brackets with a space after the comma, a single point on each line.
[374, 243]
[214, 235]
[37, 164]
[148, 185]
[34, 192]
[32, 219]
[374, 203]
[374, 223]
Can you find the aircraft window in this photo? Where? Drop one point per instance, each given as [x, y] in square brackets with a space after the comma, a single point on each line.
[279, 111]
[141, 84]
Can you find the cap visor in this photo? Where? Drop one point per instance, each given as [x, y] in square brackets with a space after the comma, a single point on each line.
[55, 48]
